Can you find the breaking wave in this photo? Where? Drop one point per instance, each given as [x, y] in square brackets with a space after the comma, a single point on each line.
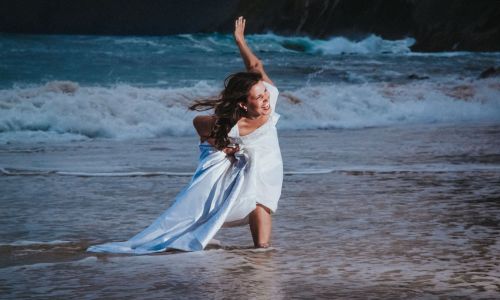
[65, 111]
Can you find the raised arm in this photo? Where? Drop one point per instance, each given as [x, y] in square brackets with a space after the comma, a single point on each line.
[252, 62]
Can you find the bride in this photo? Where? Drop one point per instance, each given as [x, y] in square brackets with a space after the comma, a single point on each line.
[240, 172]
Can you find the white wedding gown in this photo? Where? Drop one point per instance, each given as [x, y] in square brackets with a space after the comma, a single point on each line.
[222, 193]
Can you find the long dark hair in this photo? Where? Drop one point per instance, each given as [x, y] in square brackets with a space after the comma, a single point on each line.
[226, 108]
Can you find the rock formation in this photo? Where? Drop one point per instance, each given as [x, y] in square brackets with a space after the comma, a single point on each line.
[443, 25]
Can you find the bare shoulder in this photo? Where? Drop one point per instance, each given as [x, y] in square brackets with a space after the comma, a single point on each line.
[203, 120]
[270, 85]
[203, 125]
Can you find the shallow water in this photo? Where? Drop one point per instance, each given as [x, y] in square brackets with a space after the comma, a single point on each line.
[395, 212]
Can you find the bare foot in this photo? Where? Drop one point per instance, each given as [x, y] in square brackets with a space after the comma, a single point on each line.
[262, 245]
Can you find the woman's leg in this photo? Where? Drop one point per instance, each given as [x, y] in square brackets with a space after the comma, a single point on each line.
[260, 226]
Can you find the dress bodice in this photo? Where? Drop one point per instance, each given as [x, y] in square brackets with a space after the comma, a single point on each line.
[269, 125]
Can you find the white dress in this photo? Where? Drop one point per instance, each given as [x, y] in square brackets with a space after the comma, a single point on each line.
[222, 193]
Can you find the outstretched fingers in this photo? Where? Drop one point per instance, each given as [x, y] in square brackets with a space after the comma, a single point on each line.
[239, 28]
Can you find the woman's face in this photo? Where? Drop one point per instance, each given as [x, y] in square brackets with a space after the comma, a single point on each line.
[258, 101]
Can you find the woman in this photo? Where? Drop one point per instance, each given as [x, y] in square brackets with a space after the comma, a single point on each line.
[240, 173]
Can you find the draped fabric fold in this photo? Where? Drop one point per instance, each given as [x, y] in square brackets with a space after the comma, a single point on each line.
[198, 211]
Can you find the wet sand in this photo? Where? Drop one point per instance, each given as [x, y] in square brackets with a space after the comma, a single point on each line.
[382, 213]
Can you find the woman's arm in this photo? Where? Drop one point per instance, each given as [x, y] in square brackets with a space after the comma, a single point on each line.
[203, 125]
[252, 62]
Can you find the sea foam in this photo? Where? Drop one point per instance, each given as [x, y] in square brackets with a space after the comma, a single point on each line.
[62, 111]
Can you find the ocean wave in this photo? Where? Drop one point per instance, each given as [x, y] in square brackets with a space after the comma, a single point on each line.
[30, 243]
[334, 45]
[351, 170]
[270, 42]
[346, 105]
[341, 45]
[32, 172]
[66, 111]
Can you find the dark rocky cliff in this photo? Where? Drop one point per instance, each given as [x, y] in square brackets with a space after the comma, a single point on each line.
[437, 25]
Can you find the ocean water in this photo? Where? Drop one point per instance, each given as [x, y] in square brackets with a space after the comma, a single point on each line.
[68, 88]
[391, 158]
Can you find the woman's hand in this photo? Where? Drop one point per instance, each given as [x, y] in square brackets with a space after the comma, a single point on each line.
[231, 150]
[239, 29]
